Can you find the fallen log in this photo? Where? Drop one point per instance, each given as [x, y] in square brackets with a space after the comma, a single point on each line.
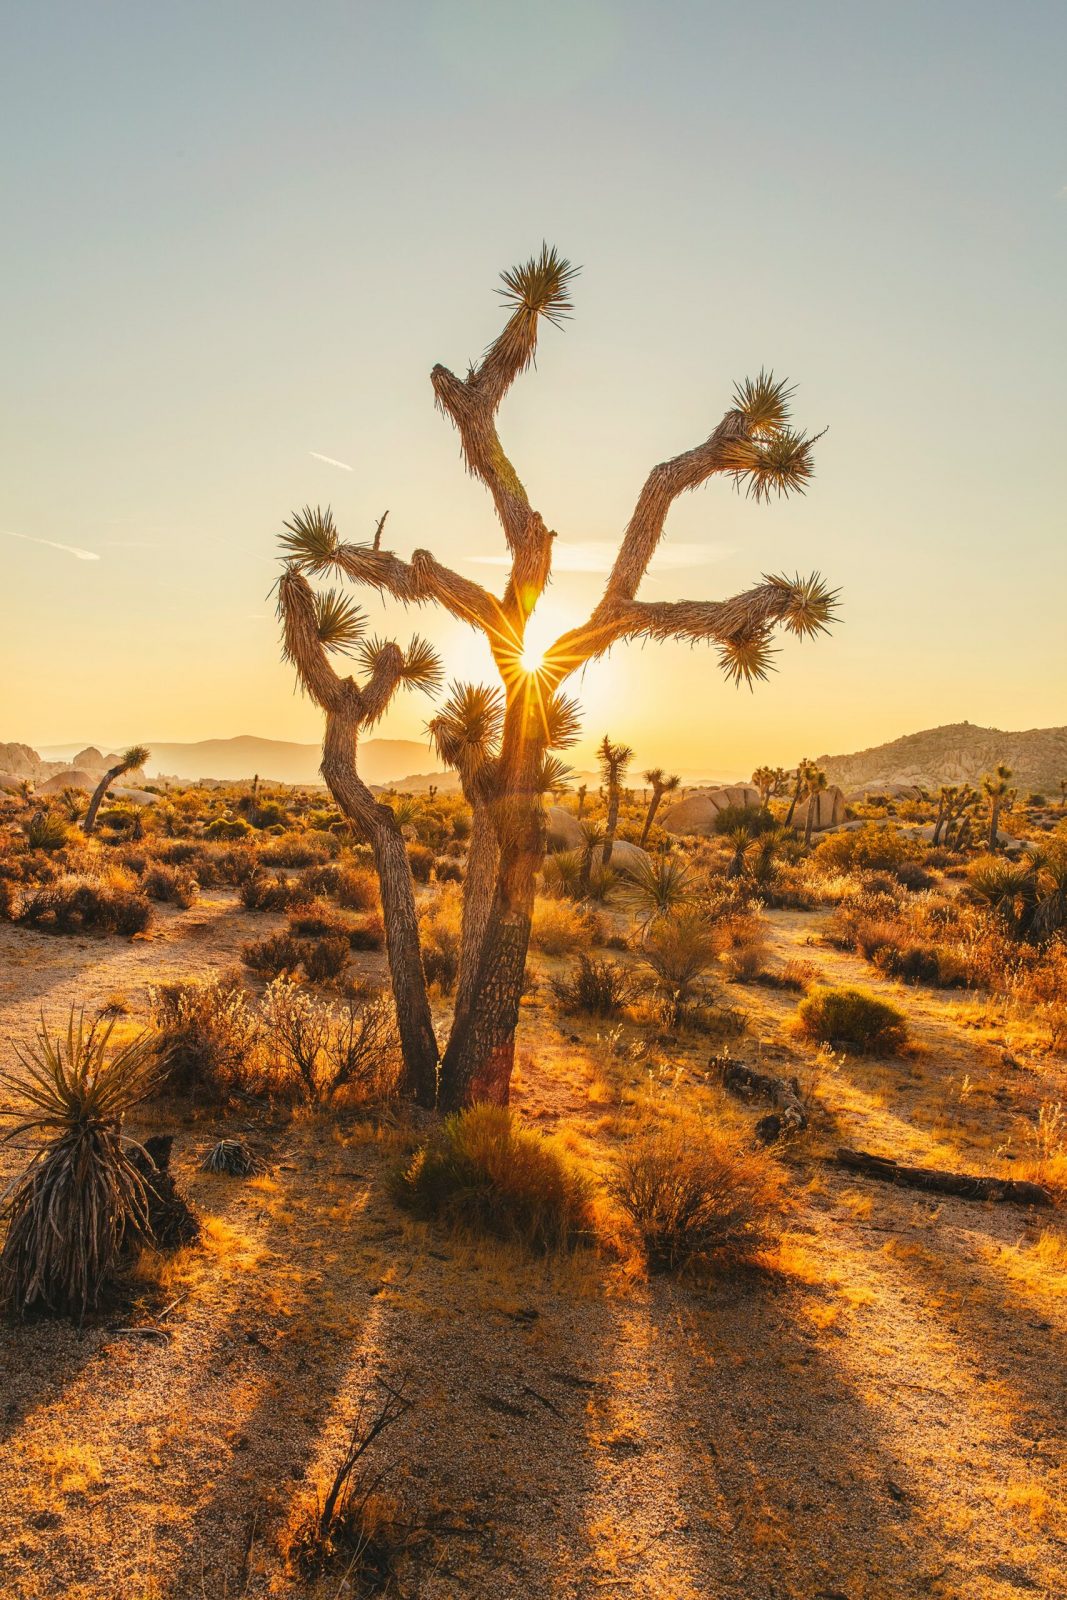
[964, 1185]
[746, 1083]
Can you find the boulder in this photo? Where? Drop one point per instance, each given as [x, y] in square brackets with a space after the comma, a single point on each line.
[135, 797]
[697, 812]
[90, 760]
[626, 856]
[19, 761]
[891, 791]
[564, 829]
[829, 810]
[73, 778]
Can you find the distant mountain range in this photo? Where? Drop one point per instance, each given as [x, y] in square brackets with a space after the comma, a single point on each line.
[957, 753]
[380, 760]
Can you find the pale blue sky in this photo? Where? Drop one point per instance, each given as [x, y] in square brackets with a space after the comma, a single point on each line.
[240, 233]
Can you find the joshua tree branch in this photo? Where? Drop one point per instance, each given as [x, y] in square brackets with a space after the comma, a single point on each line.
[383, 683]
[303, 647]
[420, 580]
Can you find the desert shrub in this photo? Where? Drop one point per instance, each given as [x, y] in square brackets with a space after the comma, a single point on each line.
[922, 963]
[369, 934]
[867, 849]
[461, 825]
[486, 1174]
[175, 885]
[697, 1197]
[320, 1048]
[85, 905]
[262, 892]
[657, 887]
[277, 953]
[298, 850]
[447, 870]
[82, 1197]
[853, 1017]
[680, 950]
[316, 919]
[46, 830]
[324, 959]
[745, 960]
[559, 928]
[752, 818]
[357, 889]
[1045, 1157]
[231, 867]
[207, 1038]
[322, 880]
[440, 934]
[420, 860]
[596, 988]
[227, 828]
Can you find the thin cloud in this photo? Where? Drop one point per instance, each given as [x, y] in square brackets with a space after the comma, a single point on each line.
[70, 549]
[131, 544]
[598, 555]
[329, 460]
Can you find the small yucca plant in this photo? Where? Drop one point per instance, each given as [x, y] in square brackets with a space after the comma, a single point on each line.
[82, 1197]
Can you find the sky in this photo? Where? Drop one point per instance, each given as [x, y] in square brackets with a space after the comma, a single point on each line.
[239, 235]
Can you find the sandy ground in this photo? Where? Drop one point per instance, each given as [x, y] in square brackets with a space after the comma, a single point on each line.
[881, 1417]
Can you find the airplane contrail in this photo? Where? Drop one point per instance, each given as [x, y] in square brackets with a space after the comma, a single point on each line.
[71, 549]
[330, 462]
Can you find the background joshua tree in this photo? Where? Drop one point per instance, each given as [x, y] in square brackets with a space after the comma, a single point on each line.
[753, 444]
[314, 625]
[134, 757]
[581, 791]
[804, 766]
[946, 799]
[614, 760]
[996, 785]
[815, 783]
[661, 783]
[770, 781]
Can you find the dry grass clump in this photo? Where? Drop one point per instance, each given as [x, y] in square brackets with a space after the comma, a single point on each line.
[357, 889]
[486, 1174]
[1045, 1158]
[46, 830]
[596, 988]
[83, 1196]
[681, 951]
[86, 905]
[234, 1158]
[699, 1198]
[560, 928]
[177, 886]
[440, 932]
[851, 1017]
[299, 850]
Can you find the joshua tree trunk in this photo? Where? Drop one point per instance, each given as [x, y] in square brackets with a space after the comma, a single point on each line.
[809, 821]
[940, 819]
[479, 889]
[797, 790]
[480, 1055]
[994, 821]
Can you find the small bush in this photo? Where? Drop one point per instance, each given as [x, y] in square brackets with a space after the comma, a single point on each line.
[315, 919]
[853, 1017]
[174, 885]
[357, 889]
[324, 959]
[559, 928]
[597, 988]
[227, 828]
[367, 935]
[46, 830]
[680, 950]
[447, 870]
[321, 1049]
[207, 1038]
[265, 893]
[298, 850]
[86, 905]
[486, 1174]
[277, 953]
[699, 1198]
[321, 880]
[420, 860]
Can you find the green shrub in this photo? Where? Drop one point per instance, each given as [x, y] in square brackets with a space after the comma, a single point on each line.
[486, 1174]
[698, 1197]
[227, 828]
[853, 1017]
[868, 848]
[46, 830]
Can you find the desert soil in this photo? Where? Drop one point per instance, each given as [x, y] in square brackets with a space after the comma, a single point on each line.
[880, 1416]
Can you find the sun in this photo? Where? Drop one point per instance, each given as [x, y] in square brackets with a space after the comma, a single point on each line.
[532, 659]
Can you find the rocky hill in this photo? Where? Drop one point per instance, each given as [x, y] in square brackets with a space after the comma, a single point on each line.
[280, 760]
[957, 753]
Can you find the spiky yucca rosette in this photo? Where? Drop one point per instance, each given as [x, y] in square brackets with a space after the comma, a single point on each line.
[82, 1197]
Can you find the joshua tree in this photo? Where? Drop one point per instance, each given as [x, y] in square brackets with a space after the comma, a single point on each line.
[614, 760]
[996, 785]
[946, 800]
[740, 839]
[804, 766]
[581, 791]
[661, 783]
[753, 444]
[134, 757]
[815, 784]
[769, 781]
